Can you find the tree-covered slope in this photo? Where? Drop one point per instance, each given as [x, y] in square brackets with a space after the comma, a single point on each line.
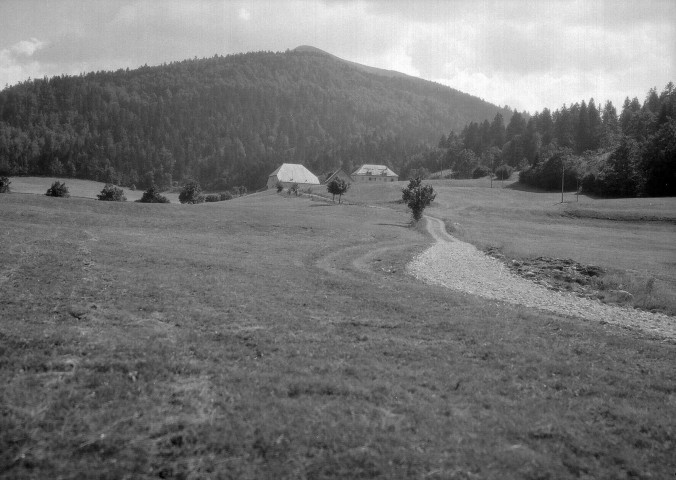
[225, 120]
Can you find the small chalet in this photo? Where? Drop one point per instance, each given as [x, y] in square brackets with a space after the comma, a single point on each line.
[338, 174]
[374, 173]
[290, 173]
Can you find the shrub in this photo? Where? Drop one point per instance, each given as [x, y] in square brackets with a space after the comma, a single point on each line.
[153, 196]
[191, 193]
[480, 172]
[4, 185]
[293, 189]
[417, 197]
[111, 193]
[58, 189]
[503, 172]
[212, 198]
[226, 196]
[337, 186]
[241, 190]
[279, 186]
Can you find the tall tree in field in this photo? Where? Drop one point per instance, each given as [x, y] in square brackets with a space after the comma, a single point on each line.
[418, 197]
[337, 186]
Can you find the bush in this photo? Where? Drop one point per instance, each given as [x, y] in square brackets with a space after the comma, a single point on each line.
[58, 189]
[293, 189]
[226, 196]
[480, 172]
[4, 185]
[153, 196]
[279, 186]
[503, 172]
[417, 197]
[191, 193]
[111, 193]
[212, 198]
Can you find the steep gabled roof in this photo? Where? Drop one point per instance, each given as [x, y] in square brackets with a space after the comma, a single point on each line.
[368, 169]
[337, 174]
[293, 172]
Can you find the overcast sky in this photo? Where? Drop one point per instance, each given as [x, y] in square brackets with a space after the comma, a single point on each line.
[525, 54]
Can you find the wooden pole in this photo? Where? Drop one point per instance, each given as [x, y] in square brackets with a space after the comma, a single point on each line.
[562, 172]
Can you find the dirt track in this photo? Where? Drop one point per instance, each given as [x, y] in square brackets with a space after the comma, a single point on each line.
[460, 266]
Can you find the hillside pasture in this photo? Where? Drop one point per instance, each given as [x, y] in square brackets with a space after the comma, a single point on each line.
[280, 337]
[631, 239]
[76, 188]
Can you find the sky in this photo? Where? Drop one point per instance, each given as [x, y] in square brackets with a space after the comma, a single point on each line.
[525, 54]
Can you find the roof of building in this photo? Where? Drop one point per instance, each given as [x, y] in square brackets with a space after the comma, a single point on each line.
[337, 174]
[293, 172]
[368, 169]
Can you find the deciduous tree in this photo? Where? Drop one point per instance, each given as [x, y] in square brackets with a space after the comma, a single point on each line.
[337, 186]
[418, 197]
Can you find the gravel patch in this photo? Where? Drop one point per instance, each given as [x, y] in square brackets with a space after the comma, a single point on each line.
[460, 266]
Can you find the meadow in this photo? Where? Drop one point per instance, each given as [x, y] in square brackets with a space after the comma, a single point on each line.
[274, 336]
[631, 239]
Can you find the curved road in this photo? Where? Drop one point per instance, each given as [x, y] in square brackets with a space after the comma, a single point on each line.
[460, 266]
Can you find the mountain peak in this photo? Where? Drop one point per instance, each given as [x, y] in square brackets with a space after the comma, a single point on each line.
[311, 49]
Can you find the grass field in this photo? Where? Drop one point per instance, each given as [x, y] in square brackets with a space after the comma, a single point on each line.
[278, 337]
[77, 188]
[632, 239]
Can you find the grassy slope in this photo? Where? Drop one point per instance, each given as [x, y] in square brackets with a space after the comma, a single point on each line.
[612, 233]
[76, 188]
[274, 336]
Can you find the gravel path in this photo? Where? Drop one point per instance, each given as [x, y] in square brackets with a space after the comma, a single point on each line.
[460, 266]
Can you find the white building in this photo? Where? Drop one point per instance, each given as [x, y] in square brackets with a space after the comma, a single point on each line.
[290, 173]
[374, 173]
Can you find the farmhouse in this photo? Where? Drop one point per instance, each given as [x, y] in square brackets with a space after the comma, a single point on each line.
[374, 173]
[339, 174]
[290, 173]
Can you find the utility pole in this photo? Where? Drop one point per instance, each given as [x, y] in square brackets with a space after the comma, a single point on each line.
[562, 172]
[492, 170]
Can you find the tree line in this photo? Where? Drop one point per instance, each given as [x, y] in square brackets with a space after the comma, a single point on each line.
[224, 121]
[599, 151]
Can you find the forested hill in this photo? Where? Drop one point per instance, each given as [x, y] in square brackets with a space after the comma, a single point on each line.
[225, 120]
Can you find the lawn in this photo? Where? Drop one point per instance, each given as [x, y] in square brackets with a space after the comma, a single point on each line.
[280, 337]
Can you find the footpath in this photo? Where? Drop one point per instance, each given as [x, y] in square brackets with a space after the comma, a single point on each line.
[460, 266]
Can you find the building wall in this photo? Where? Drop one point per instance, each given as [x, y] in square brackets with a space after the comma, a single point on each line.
[373, 178]
[272, 183]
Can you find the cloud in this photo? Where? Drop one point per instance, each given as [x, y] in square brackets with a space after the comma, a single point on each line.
[26, 48]
[16, 63]
[527, 54]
